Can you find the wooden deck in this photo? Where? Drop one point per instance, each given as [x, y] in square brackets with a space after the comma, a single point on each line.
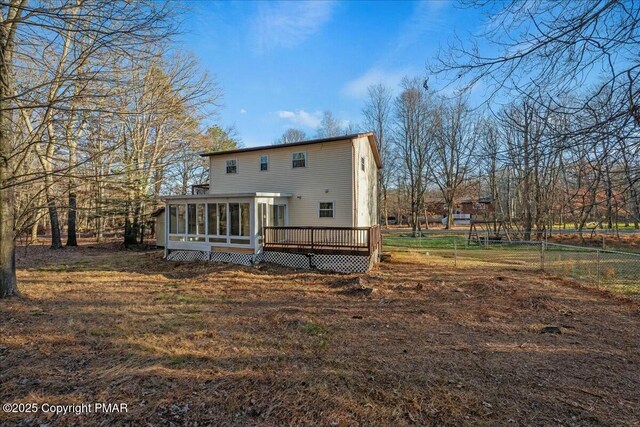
[323, 240]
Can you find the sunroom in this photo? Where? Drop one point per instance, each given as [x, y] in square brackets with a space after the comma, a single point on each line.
[222, 222]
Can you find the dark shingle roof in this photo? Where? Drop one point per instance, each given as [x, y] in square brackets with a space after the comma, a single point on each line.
[370, 135]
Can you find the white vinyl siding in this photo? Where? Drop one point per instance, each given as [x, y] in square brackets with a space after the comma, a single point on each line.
[328, 175]
[366, 190]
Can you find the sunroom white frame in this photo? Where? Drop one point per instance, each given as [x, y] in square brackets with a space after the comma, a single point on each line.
[206, 242]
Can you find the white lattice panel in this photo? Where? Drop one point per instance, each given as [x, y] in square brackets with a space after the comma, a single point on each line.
[287, 259]
[219, 257]
[339, 263]
[188, 256]
[342, 263]
[242, 259]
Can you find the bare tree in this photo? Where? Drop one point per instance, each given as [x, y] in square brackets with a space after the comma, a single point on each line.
[453, 150]
[378, 118]
[41, 67]
[547, 49]
[291, 135]
[329, 126]
[159, 125]
[413, 137]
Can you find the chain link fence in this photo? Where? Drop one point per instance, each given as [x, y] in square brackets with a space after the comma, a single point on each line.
[616, 270]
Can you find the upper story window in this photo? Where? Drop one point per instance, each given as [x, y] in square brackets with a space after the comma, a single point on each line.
[362, 163]
[232, 166]
[299, 159]
[264, 163]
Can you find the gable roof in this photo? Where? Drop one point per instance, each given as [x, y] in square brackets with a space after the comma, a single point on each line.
[369, 135]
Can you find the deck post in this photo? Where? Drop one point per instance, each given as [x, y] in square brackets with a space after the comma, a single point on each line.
[312, 240]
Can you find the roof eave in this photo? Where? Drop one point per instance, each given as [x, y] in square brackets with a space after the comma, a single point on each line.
[299, 143]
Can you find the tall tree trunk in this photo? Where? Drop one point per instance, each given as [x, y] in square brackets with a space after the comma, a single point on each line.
[132, 224]
[450, 209]
[71, 220]
[47, 164]
[609, 194]
[36, 220]
[636, 208]
[34, 228]
[99, 213]
[141, 224]
[414, 213]
[130, 237]
[73, 203]
[56, 240]
[8, 283]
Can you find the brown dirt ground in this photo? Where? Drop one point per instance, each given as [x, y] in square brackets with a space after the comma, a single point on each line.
[214, 344]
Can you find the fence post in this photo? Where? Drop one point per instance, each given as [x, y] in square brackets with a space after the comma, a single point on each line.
[486, 240]
[542, 255]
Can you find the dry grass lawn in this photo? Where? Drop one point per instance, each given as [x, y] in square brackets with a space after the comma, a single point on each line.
[212, 344]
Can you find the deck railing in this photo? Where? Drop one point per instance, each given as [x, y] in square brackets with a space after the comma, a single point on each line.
[325, 240]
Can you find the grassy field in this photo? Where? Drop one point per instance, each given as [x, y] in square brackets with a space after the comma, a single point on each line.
[614, 270]
[445, 238]
[212, 344]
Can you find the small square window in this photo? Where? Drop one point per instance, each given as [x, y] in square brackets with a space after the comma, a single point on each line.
[264, 163]
[232, 166]
[299, 160]
[326, 210]
[362, 163]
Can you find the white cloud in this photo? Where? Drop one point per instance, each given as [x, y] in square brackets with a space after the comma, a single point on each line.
[357, 88]
[302, 118]
[288, 24]
[243, 111]
[428, 17]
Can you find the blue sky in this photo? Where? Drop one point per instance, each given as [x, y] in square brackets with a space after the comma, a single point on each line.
[281, 64]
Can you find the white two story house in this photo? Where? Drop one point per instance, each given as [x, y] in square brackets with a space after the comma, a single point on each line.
[305, 204]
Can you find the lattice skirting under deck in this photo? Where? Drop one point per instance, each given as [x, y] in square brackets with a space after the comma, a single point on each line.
[338, 263]
[288, 260]
[188, 256]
